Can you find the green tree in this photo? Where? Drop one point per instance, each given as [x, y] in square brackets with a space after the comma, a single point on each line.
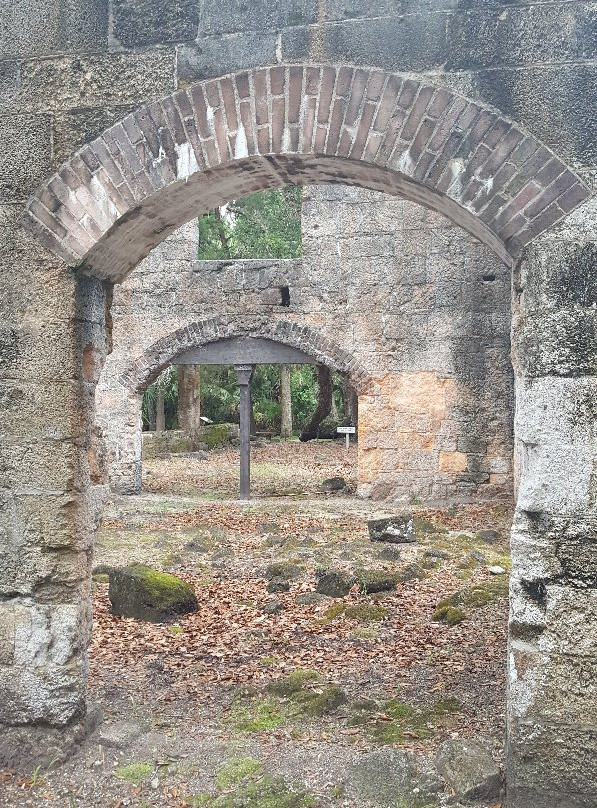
[263, 225]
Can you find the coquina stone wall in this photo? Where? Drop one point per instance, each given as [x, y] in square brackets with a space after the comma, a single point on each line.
[422, 308]
[69, 71]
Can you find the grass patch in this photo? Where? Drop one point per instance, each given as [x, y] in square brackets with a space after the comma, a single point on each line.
[365, 633]
[134, 773]
[294, 683]
[307, 693]
[427, 526]
[258, 715]
[407, 721]
[266, 661]
[265, 792]
[236, 771]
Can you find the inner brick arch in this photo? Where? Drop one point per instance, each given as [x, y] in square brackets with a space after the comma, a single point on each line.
[144, 370]
[119, 405]
[123, 193]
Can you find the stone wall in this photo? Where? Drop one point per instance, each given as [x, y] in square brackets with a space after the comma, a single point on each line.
[66, 74]
[420, 305]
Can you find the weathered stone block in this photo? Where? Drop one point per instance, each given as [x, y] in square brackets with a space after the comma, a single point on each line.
[558, 688]
[141, 22]
[411, 42]
[259, 15]
[527, 96]
[394, 529]
[560, 33]
[51, 694]
[551, 758]
[48, 467]
[53, 26]
[26, 156]
[97, 80]
[9, 83]
[22, 403]
[554, 427]
[469, 771]
[215, 56]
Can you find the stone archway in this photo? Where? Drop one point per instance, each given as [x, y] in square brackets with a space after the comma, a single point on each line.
[122, 194]
[127, 190]
[122, 407]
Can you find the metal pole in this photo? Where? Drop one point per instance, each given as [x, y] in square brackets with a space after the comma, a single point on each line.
[243, 377]
[347, 436]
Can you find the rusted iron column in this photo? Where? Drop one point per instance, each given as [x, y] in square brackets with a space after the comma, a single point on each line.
[243, 377]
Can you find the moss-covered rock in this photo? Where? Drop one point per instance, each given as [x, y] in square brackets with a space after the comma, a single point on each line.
[477, 595]
[489, 536]
[283, 569]
[371, 581]
[423, 525]
[451, 615]
[334, 583]
[411, 572]
[215, 435]
[308, 693]
[319, 702]
[142, 592]
[278, 584]
[366, 612]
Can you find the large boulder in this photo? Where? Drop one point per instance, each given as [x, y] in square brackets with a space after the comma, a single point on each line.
[395, 529]
[142, 592]
[469, 771]
[333, 484]
[334, 583]
[390, 778]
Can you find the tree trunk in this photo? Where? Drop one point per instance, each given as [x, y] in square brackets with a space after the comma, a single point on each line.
[160, 416]
[324, 403]
[351, 403]
[151, 414]
[285, 402]
[189, 402]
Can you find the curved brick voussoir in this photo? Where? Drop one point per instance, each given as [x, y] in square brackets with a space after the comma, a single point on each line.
[145, 369]
[124, 192]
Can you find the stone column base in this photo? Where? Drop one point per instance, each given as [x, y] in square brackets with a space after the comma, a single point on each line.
[25, 747]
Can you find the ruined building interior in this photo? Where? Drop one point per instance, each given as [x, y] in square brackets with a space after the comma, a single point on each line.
[448, 156]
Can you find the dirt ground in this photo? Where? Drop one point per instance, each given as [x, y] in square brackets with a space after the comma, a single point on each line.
[288, 699]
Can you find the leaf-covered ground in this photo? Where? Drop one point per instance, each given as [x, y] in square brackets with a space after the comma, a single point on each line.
[233, 706]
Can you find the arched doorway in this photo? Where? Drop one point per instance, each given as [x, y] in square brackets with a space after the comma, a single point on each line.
[122, 194]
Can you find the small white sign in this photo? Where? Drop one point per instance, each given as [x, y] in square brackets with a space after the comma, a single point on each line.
[346, 430]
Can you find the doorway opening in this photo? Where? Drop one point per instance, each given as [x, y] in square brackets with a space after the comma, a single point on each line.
[296, 447]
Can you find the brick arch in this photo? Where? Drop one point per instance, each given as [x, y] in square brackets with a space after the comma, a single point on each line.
[123, 193]
[145, 369]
